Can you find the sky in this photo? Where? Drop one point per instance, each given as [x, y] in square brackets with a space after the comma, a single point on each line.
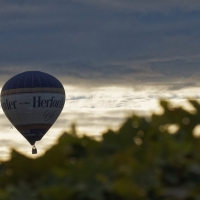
[114, 57]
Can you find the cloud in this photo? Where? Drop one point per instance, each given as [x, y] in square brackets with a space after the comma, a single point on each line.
[84, 29]
[147, 6]
[142, 74]
[98, 43]
[93, 110]
[113, 57]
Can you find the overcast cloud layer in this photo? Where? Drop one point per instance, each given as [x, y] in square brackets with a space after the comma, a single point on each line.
[113, 57]
[107, 42]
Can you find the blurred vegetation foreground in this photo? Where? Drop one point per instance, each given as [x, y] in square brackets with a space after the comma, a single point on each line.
[146, 159]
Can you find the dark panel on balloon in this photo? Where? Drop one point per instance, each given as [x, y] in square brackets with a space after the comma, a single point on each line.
[13, 82]
[20, 82]
[28, 82]
[42, 79]
[36, 80]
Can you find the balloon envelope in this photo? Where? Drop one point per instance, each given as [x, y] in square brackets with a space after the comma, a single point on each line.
[32, 101]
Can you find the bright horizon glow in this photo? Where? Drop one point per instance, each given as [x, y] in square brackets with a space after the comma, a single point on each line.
[94, 111]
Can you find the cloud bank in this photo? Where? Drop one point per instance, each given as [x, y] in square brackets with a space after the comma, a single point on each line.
[98, 43]
[114, 57]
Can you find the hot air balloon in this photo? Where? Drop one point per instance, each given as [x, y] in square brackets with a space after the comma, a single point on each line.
[32, 101]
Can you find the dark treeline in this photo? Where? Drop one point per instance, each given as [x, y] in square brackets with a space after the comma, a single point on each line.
[143, 160]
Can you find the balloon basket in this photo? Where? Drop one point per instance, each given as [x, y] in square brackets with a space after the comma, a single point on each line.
[34, 150]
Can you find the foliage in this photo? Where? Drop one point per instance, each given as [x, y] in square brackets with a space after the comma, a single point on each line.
[143, 160]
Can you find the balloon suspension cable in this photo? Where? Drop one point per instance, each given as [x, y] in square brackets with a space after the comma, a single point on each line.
[34, 150]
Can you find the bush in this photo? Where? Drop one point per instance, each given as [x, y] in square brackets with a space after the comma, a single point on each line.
[143, 160]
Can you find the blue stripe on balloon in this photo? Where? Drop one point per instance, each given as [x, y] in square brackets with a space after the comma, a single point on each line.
[33, 90]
